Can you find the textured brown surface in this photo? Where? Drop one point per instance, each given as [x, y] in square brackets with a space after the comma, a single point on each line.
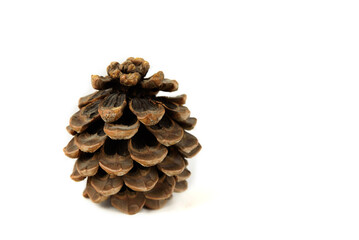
[141, 179]
[87, 114]
[90, 140]
[114, 157]
[169, 85]
[128, 201]
[111, 108]
[181, 186]
[71, 150]
[124, 128]
[129, 143]
[183, 175]
[91, 192]
[105, 184]
[99, 82]
[147, 111]
[189, 123]
[163, 188]
[146, 150]
[87, 164]
[173, 164]
[188, 143]
[167, 131]
[155, 81]
[155, 204]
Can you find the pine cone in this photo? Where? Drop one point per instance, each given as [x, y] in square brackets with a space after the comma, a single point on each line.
[129, 143]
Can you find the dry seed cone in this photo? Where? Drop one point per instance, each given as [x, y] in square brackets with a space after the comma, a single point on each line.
[130, 144]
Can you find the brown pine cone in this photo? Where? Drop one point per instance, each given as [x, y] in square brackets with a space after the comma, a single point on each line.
[130, 144]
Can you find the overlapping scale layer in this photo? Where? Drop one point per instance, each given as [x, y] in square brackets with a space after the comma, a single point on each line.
[130, 144]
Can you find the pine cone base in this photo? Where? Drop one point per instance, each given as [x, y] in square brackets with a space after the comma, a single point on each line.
[130, 144]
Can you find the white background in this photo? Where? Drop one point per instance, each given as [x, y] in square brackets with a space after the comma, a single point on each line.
[274, 85]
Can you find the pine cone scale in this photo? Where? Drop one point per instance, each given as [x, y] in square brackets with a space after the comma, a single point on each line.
[87, 165]
[167, 132]
[71, 150]
[141, 180]
[163, 189]
[183, 175]
[93, 97]
[105, 185]
[121, 131]
[128, 202]
[148, 112]
[116, 162]
[173, 164]
[90, 142]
